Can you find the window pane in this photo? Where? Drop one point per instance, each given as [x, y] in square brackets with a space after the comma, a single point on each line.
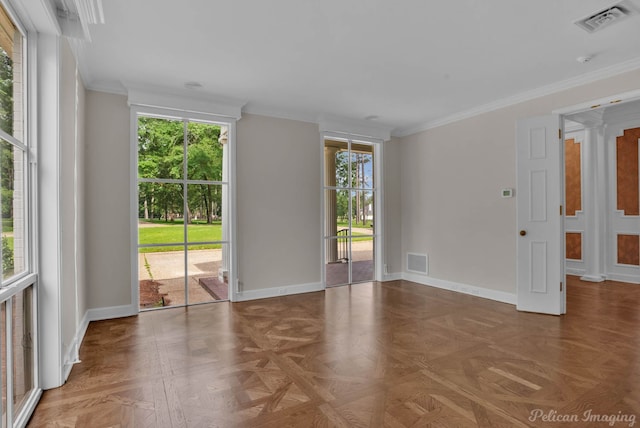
[160, 213]
[11, 78]
[337, 261]
[362, 211]
[161, 277]
[362, 258]
[205, 212]
[12, 182]
[208, 273]
[362, 165]
[205, 152]
[336, 205]
[23, 363]
[336, 163]
[160, 148]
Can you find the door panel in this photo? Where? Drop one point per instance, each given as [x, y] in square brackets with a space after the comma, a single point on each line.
[539, 197]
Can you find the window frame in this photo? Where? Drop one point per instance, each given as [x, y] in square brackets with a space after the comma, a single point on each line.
[19, 283]
[376, 189]
[143, 110]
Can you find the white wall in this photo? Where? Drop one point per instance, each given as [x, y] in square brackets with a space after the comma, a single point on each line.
[451, 179]
[278, 180]
[107, 209]
[278, 208]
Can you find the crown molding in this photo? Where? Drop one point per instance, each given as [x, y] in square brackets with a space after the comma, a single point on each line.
[358, 127]
[150, 96]
[262, 110]
[583, 79]
[115, 88]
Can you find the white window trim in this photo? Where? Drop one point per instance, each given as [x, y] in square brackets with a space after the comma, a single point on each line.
[144, 109]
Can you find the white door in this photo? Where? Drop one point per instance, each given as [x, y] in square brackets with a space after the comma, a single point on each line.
[540, 196]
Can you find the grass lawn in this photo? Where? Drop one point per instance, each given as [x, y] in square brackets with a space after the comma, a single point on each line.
[353, 224]
[174, 232]
[7, 225]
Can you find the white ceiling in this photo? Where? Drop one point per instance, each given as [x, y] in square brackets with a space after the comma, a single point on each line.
[409, 62]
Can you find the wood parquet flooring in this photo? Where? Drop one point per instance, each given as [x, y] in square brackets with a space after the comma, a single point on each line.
[395, 354]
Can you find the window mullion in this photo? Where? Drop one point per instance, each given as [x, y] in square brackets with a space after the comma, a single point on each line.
[185, 209]
[9, 355]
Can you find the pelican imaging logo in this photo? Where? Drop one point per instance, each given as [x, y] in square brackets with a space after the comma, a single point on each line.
[611, 419]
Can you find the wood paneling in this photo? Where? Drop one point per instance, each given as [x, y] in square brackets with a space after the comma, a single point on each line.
[574, 245]
[573, 176]
[627, 172]
[629, 250]
[395, 354]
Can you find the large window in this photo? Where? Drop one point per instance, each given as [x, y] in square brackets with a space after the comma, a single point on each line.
[17, 294]
[182, 220]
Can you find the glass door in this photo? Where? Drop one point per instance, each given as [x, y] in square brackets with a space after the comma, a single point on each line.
[183, 193]
[349, 205]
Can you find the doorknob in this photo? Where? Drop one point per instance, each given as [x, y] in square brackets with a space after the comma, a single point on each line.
[523, 232]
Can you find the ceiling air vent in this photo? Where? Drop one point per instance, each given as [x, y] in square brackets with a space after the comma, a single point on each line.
[605, 18]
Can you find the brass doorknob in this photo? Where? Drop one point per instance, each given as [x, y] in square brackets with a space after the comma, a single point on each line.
[523, 232]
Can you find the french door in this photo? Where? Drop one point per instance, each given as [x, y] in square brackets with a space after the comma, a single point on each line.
[182, 215]
[350, 195]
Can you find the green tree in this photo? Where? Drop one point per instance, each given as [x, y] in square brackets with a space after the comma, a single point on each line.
[161, 154]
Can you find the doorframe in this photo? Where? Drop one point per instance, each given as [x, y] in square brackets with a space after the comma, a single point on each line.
[143, 109]
[620, 98]
[378, 236]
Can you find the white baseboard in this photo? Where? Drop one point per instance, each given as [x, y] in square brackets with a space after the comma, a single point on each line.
[574, 271]
[98, 314]
[485, 293]
[392, 277]
[592, 278]
[278, 291]
[631, 279]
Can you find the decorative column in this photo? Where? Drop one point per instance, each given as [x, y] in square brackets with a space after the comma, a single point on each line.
[331, 226]
[594, 203]
[223, 270]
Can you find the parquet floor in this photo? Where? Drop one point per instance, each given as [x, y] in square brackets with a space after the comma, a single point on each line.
[395, 354]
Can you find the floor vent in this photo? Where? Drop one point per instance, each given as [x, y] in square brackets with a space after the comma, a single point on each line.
[606, 17]
[417, 263]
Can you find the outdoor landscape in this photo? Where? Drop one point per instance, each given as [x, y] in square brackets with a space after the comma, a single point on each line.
[181, 190]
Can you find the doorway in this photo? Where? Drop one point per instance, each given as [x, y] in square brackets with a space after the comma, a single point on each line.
[182, 216]
[541, 246]
[350, 224]
[602, 221]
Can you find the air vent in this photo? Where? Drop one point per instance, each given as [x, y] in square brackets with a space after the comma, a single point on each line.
[417, 263]
[606, 17]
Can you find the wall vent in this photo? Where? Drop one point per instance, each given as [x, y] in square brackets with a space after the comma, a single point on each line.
[417, 263]
[606, 17]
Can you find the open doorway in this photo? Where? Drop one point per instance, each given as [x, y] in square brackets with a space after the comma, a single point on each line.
[541, 246]
[182, 216]
[602, 193]
[602, 222]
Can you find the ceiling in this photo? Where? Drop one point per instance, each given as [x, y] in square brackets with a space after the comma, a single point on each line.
[409, 63]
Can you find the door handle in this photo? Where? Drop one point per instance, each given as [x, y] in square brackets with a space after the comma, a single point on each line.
[523, 233]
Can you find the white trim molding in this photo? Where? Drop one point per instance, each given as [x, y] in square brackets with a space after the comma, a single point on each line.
[485, 293]
[99, 314]
[286, 290]
[392, 277]
[159, 98]
[353, 128]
